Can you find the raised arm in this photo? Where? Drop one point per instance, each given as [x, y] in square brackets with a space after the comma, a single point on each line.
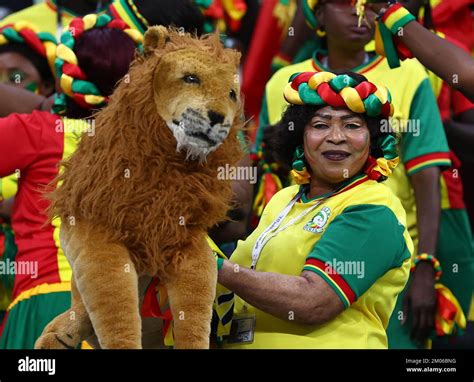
[434, 52]
[17, 100]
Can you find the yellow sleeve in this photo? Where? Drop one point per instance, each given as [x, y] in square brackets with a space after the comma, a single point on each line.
[41, 15]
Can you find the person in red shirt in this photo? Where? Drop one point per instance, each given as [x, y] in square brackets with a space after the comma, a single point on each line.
[26, 62]
[32, 146]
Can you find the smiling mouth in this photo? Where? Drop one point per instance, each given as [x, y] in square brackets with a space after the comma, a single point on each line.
[202, 137]
[336, 156]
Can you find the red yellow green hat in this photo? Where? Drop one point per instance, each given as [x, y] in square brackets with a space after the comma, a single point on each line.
[73, 80]
[23, 32]
[326, 88]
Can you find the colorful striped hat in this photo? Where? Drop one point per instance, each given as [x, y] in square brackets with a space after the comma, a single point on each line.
[73, 80]
[23, 32]
[326, 88]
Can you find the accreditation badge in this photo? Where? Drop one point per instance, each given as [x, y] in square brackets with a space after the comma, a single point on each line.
[242, 330]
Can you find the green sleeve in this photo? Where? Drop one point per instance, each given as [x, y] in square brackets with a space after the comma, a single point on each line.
[357, 248]
[423, 141]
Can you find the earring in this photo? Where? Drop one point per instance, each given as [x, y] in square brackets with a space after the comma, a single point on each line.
[299, 172]
[321, 32]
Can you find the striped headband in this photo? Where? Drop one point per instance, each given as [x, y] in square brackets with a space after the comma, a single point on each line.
[325, 88]
[127, 11]
[22, 32]
[73, 80]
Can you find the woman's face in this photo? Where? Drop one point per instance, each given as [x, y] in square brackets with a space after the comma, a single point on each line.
[336, 144]
[17, 70]
[340, 21]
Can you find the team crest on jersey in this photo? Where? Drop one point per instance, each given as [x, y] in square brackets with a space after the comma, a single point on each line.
[317, 224]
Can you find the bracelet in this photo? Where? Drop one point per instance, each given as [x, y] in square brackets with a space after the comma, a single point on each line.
[385, 45]
[395, 17]
[433, 260]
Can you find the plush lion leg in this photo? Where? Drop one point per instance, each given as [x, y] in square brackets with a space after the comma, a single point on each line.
[108, 284]
[192, 292]
[68, 329]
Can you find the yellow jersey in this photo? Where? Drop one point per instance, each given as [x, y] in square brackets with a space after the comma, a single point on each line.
[356, 240]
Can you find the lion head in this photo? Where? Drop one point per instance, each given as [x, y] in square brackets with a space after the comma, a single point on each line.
[197, 94]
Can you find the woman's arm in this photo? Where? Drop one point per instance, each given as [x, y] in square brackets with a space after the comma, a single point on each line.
[18, 100]
[305, 299]
[421, 296]
[435, 52]
[446, 60]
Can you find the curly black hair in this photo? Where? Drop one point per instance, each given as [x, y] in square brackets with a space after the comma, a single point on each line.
[288, 133]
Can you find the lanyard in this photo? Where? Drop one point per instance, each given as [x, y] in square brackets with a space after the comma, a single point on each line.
[273, 229]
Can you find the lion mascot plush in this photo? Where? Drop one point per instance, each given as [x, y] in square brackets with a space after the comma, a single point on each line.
[137, 198]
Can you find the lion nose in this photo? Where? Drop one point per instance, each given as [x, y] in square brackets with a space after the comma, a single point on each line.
[215, 118]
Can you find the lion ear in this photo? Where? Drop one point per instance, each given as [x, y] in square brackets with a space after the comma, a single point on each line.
[155, 38]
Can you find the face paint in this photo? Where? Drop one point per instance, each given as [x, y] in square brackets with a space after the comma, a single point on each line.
[17, 78]
[32, 87]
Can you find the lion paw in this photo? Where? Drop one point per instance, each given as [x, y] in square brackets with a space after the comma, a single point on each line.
[56, 341]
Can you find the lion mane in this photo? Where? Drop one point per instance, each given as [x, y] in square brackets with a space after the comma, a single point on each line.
[129, 177]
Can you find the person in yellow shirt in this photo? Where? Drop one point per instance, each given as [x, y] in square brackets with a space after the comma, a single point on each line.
[424, 151]
[330, 255]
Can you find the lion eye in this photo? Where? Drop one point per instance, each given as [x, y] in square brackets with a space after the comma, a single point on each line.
[233, 95]
[191, 79]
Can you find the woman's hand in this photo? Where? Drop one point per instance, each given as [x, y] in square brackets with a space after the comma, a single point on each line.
[420, 302]
[377, 6]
